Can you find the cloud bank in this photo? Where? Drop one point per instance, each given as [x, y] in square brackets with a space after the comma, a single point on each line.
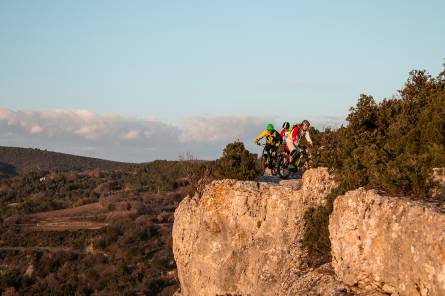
[130, 139]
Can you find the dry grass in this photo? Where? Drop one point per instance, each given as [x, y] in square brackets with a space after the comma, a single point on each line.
[88, 209]
[92, 216]
[68, 225]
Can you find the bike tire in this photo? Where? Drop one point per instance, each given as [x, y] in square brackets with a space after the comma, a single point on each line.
[282, 168]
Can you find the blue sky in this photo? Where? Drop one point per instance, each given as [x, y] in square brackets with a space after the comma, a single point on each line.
[175, 60]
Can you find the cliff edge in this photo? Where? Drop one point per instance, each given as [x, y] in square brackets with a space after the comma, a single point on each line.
[245, 238]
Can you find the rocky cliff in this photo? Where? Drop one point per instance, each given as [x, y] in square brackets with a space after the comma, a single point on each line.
[389, 244]
[245, 238]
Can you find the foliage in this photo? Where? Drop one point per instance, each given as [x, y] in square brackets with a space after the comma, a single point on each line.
[133, 255]
[237, 163]
[392, 145]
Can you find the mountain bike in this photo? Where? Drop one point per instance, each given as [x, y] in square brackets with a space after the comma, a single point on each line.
[268, 161]
[284, 166]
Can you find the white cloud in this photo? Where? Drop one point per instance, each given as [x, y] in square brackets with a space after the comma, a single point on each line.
[123, 138]
[217, 129]
[36, 129]
[131, 135]
[332, 122]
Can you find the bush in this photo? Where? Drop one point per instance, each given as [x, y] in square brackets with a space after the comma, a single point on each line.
[393, 145]
[237, 163]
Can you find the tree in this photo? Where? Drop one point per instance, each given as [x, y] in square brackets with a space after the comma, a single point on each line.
[237, 163]
[392, 145]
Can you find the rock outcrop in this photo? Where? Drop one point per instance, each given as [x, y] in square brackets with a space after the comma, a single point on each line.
[245, 238]
[388, 244]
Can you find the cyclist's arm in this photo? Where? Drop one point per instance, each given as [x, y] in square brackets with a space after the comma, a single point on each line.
[308, 138]
[262, 135]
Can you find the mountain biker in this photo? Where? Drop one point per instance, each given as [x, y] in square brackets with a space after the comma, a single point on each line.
[285, 131]
[273, 139]
[298, 132]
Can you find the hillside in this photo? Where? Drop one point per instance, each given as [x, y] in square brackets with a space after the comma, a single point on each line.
[14, 160]
[100, 231]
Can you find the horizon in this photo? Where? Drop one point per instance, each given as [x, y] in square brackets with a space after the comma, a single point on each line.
[144, 81]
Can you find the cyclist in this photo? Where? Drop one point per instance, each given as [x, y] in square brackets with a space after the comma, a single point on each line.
[298, 132]
[273, 140]
[285, 131]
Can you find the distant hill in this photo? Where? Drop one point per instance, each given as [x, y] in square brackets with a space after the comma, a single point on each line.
[14, 160]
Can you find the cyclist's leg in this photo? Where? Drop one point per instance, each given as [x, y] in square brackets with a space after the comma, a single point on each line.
[290, 145]
[268, 156]
[298, 156]
[273, 153]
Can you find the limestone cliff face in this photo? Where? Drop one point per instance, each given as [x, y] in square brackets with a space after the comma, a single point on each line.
[389, 244]
[246, 238]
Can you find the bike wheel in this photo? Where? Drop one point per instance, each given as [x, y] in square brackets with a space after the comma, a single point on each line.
[272, 165]
[283, 167]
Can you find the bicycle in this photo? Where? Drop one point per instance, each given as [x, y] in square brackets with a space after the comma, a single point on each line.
[271, 163]
[284, 166]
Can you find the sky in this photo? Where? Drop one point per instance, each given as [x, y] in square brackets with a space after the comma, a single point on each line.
[143, 80]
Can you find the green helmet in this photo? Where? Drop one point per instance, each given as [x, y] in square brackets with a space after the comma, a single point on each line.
[269, 127]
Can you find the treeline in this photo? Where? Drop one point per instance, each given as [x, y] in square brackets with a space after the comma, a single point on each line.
[45, 190]
[392, 145]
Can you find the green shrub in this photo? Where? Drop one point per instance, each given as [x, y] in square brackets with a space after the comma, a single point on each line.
[237, 163]
[392, 145]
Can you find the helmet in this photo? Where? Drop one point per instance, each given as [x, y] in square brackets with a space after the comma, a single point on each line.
[286, 125]
[306, 122]
[269, 127]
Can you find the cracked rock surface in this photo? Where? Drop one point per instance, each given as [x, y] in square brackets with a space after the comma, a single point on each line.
[389, 244]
